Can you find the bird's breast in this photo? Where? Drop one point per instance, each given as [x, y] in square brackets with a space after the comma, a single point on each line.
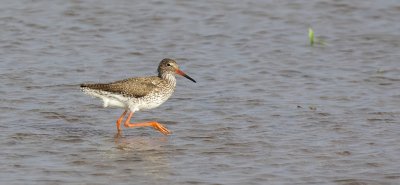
[155, 99]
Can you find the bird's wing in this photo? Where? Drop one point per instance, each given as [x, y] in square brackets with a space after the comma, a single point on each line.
[134, 87]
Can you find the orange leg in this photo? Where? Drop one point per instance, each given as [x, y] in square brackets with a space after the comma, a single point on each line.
[153, 124]
[120, 120]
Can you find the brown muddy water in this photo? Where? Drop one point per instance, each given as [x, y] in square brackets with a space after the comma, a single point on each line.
[267, 108]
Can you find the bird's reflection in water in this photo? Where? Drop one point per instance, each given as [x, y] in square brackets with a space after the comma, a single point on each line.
[148, 152]
[139, 142]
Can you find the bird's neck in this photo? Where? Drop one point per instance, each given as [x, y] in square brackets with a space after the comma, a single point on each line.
[169, 77]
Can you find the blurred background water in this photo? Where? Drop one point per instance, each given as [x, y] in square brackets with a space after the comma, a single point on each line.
[267, 108]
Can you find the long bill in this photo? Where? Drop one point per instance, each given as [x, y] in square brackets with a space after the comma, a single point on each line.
[179, 72]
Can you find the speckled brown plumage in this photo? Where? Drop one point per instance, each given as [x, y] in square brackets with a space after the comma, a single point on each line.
[132, 87]
[140, 93]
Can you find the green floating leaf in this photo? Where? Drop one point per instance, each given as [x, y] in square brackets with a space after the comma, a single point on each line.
[311, 36]
[313, 39]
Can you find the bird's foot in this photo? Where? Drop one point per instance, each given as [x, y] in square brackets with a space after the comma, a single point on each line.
[155, 125]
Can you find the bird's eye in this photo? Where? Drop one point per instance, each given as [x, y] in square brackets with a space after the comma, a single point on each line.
[168, 64]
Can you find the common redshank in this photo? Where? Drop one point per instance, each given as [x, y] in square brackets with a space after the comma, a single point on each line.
[140, 93]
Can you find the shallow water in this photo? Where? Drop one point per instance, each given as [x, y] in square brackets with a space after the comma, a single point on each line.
[267, 108]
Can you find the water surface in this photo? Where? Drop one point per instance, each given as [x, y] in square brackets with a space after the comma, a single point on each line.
[267, 108]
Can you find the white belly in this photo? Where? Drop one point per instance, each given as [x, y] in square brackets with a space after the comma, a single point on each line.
[133, 104]
[109, 99]
[152, 101]
[111, 102]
